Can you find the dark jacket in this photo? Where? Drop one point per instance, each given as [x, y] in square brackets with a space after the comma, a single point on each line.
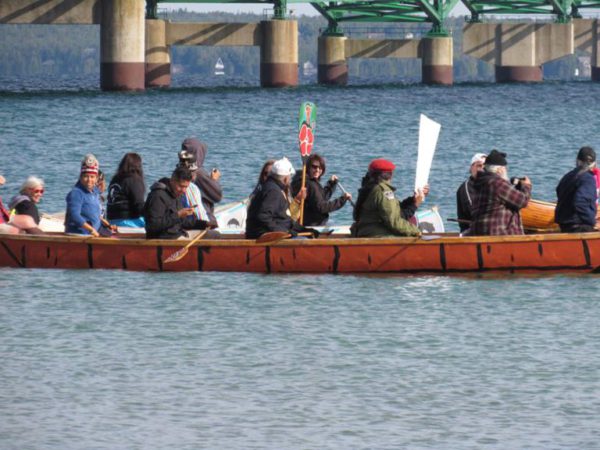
[317, 205]
[464, 203]
[211, 189]
[269, 211]
[576, 199]
[125, 198]
[160, 212]
[22, 204]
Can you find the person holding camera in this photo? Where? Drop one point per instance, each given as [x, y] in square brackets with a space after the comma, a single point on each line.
[577, 196]
[498, 201]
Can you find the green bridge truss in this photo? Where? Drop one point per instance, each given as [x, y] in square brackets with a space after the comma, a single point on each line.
[411, 11]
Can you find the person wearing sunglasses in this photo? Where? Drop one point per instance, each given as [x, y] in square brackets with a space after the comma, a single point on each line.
[318, 203]
[23, 207]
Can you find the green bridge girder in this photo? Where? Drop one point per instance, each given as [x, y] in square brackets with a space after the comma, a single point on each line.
[410, 11]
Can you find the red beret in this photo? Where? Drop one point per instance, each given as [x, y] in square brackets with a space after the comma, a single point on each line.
[381, 165]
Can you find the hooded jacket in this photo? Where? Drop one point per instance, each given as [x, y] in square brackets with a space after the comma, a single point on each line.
[211, 189]
[160, 213]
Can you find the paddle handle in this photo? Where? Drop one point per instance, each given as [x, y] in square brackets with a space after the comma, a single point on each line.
[302, 187]
[345, 192]
[196, 239]
[451, 219]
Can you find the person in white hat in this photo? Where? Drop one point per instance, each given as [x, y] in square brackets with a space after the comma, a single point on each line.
[269, 209]
[466, 192]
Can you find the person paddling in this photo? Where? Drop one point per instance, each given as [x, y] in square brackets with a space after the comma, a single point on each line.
[126, 193]
[378, 213]
[84, 212]
[318, 203]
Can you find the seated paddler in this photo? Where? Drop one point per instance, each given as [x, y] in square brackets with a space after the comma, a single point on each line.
[378, 213]
[577, 198]
[269, 209]
[23, 207]
[84, 211]
[319, 202]
[165, 218]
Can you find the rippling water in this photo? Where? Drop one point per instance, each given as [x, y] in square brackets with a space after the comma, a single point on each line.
[119, 360]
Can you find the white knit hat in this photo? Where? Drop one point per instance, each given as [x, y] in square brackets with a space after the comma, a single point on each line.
[478, 157]
[282, 167]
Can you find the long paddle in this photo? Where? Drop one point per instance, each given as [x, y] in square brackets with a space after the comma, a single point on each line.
[307, 122]
[182, 252]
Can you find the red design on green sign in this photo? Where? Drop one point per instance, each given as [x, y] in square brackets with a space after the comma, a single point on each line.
[306, 138]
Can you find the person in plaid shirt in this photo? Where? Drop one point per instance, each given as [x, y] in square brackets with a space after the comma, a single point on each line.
[497, 202]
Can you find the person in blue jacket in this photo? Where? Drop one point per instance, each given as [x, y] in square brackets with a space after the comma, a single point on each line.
[84, 212]
[576, 207]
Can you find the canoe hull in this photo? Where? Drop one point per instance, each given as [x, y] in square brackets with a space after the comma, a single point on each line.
[533, 253]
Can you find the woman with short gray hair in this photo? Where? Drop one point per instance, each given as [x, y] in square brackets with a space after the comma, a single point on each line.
[23, 207]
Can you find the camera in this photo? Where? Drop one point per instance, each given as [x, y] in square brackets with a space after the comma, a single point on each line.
[516, 181]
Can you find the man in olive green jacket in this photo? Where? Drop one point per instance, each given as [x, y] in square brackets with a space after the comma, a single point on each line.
[378, 212]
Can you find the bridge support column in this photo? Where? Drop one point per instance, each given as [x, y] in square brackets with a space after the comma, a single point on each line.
[437, 60]
[279, 53]
[517, 57]
[333, 67]
[122, 45]
[595, 58]
[158, 59]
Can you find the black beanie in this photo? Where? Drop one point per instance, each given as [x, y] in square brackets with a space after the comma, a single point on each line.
[586, 155]
[495, 158]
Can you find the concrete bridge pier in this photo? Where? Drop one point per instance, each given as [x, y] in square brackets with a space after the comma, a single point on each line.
[158, 58]
[587, 39]
[122, 45]
[436, 60]
[279, 53]
[333, 66]
[518, 50]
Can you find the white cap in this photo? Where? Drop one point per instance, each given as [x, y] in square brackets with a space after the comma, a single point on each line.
[478, 157]
[282, 167]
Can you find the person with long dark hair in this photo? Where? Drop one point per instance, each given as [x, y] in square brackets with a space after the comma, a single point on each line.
[378, 213]
[126, 192]
[318, 203]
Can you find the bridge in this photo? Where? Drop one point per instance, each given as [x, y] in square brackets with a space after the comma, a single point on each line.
[135, 42]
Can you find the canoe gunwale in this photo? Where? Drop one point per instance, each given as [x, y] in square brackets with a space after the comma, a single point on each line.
[445, 238]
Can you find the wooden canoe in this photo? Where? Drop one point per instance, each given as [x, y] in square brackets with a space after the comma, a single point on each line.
[539, 216]
[443, 253]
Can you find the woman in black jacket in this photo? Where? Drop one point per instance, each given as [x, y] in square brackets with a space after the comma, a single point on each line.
[126, 192]
[318, 203]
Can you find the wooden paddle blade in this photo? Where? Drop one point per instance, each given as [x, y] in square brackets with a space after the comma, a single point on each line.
[179, 254]
[273, 236]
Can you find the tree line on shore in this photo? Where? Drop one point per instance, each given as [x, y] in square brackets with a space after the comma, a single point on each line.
[58, 50]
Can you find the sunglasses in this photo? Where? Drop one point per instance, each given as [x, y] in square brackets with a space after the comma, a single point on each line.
[38, 191]
[315, 167]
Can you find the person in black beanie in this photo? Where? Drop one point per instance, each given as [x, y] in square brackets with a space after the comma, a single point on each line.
[498, 201]
[577, 207]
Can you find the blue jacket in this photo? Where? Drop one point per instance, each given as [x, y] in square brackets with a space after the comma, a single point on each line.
[576, 199]
[82, 206]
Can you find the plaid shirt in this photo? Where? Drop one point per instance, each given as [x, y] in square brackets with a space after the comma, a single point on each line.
[496, 206]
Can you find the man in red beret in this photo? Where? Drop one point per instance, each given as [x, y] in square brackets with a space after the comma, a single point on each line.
[378, 213]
